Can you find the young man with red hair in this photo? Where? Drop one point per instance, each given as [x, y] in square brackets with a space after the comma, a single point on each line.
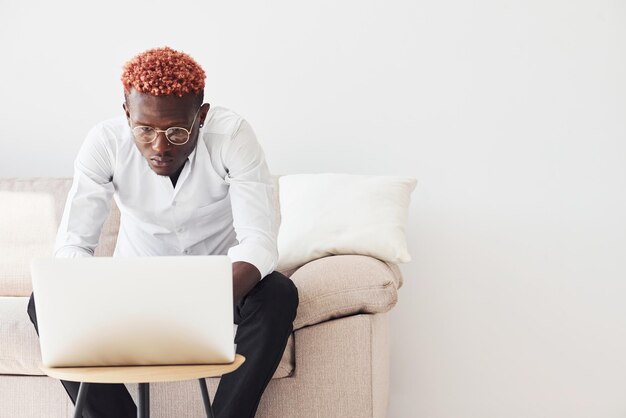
[188, 179]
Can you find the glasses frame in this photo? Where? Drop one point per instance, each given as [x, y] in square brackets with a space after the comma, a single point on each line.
[156, 131]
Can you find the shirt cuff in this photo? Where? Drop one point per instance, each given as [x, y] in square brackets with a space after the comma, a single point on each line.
[256, 255]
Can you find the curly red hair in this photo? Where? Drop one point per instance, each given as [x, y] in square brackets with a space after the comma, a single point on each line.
[163, 72]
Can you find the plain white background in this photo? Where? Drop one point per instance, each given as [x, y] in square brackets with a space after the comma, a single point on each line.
[511, 114]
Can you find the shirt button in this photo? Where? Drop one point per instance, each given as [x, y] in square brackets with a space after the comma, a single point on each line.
[186, 251]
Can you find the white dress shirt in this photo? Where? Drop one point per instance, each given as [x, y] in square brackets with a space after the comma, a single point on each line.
[222, 203]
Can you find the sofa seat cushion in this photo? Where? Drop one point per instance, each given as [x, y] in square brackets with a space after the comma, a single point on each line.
[20, 353]
[343, 285]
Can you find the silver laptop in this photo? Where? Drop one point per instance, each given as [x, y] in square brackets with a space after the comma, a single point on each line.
[119, 311]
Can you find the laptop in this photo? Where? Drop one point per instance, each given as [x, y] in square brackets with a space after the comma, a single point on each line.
[126, 311]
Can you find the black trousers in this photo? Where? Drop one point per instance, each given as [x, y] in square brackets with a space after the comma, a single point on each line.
[265, 320]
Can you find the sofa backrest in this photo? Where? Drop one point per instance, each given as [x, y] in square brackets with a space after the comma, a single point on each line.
[30, 213]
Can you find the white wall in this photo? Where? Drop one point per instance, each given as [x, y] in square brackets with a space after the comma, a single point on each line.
[510, 113]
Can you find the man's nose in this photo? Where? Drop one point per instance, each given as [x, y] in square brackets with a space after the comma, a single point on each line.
[160, 144]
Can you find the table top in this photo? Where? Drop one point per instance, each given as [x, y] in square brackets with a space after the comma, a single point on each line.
[142, 374]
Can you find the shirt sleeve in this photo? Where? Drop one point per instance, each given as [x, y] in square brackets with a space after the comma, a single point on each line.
[89, 198]
[252, 200]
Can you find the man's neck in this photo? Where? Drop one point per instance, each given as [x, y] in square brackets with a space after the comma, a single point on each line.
[174, 177]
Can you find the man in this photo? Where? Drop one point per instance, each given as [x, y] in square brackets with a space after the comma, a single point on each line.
[188, 179]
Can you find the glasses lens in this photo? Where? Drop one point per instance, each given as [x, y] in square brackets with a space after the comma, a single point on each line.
[177, 135]
[144, 133]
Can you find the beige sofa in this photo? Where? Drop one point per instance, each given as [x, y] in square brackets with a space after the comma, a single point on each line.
[336, 363]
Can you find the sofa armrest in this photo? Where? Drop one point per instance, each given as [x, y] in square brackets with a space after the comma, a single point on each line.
[344, 285]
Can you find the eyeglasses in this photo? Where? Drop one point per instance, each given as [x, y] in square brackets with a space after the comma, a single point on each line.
[175, 135]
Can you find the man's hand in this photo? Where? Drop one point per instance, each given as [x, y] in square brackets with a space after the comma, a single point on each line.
[245, 277]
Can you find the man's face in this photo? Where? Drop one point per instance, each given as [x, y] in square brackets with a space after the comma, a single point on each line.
[163, 112]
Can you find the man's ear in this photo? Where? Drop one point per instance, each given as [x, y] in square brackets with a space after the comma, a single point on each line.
[203, 113]
[126, 112]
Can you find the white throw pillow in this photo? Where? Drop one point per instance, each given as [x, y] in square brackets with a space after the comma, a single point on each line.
[328, 214]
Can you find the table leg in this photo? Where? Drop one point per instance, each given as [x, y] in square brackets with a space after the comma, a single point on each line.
[80, 400]
[205, 398]
[143, 409]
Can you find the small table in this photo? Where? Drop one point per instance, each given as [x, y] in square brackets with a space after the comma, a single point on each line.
[143, 375]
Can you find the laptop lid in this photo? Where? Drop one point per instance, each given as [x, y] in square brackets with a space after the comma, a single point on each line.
[119, 311]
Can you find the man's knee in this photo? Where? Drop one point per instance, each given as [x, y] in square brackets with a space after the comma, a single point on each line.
[283, 293]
